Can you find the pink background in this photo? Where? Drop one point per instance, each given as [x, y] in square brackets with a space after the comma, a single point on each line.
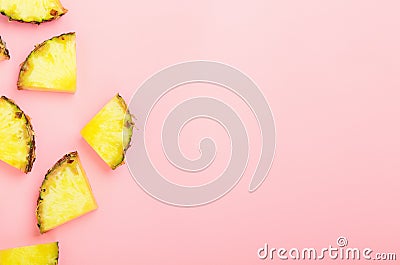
[330, 72]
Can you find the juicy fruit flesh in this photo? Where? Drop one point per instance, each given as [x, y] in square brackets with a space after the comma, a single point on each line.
[65, 194]
[43, 254]
[34, 11]
[16, 136]
[110, 131]
[4, 54]
[51, 66]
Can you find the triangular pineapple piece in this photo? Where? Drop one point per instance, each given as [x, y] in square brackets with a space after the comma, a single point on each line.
[65, 194]
[42, 254]
[51, 66]
[4, 54]
[110, 131]
[32, 11]
[17, 139]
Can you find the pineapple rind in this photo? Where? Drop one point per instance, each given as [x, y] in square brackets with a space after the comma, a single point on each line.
[30, 157]
[4, 53]
[103, 140]
[20, 10]
[41, 254]
[44, 70]
[66, 159]
[127, 129]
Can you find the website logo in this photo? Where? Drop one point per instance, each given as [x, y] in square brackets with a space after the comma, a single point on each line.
[338, 251]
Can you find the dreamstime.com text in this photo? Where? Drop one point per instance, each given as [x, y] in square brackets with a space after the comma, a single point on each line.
[339, 251]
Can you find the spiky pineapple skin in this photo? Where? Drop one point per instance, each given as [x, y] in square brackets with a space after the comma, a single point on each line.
[32, 146]
[4, 53]
[128, 125]
[54, 15]
[25, 66]
[66, 158]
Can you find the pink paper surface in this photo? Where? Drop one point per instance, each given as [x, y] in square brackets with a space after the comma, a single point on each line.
[330, 72]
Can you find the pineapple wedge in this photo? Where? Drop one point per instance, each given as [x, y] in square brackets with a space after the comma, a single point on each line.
[51, 66]
[17, 139]
[32, 11]
[110, 131]
[65, 194]
[43, 254]
[4, 54]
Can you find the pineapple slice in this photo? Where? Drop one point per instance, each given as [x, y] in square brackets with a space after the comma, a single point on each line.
[43, 254]
[110, 131]
[32, 11]
[65, 194]
[51, 66]
[4, 54]
[17, 139]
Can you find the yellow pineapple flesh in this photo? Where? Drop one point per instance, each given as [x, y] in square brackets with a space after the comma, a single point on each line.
[17, 139]
[4, 54]
[42, 254]
[32, 11]
[65, 194]
[51, 66]
[110, 131]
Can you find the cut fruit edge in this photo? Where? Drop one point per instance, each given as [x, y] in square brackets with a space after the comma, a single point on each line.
[127, 131]
[30, 247]
[25, 64]
[56, 16]
[60, 162]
